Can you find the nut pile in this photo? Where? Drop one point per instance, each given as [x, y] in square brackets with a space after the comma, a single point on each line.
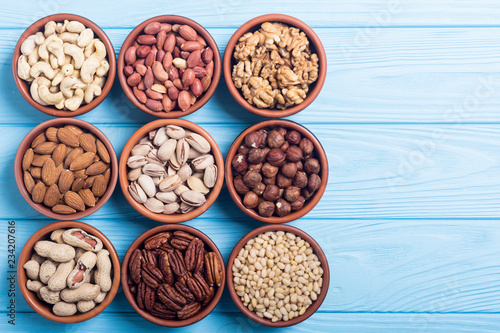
[72, 272]
[171, 170]
[169, 66]
[277, 275]
[175, 275]
[276, 171]
[65, 65]
[66, 169]
[275, 66]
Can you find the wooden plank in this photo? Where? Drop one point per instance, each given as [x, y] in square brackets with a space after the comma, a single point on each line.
[377, 171]
[403, 75]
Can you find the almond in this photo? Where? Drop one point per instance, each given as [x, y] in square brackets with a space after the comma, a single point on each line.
[88, 182]
[73, 200]
[59, 154]
[80, 174]
[29, 183]
[63, 209]
[66, 136]
[87, 197]
[87, 142]
[27, 159]
[36, 173]
[82, 161]
[75, 129]
[45, 148]
[51, 134]
[52, 195]
[77, 184]
[38, 192]
[103, 152]
[49, 175]
[40, 138]
[72, 155]
[38, 160]
[99, 186]
[107, 175]
[65, 180]
[96, 169]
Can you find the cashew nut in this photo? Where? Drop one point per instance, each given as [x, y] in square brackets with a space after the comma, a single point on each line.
[86, 36]
[76, 53]
[89, 68]
[91, 91]
[95, 49]
[54, 89]
[75, 26]
[103, 68]
[28, 45]
[42, 50]
[69, 37]
[61, 27]
[33, 57]
[50, 28]
[40, 38]
[50, 98]
[57, 49]
[23, 68]
[39, 81]
[42, 67]
[66, 70]
[53, 61]
[60, 105]
[69, 83]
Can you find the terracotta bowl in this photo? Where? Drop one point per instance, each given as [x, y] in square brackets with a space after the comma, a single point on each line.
[24, 87]
[43, 308]
[254, 25]
[320, 155]
[124, 182]
[26, 143]
[317, 250]
[138, 243]
[171, 19]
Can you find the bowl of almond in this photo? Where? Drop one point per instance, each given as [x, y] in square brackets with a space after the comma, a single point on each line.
[66, 169]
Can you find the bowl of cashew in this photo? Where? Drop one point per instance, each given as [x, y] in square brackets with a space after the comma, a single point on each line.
[64, 65]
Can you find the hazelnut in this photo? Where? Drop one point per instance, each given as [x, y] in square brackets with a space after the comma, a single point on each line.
[269, 180]
[311, 165]
[275, 139]
[300, 179]
[271, 193]
[242, 149]
[285, 146]
[259, 189]
[281, 130]
[252, 178]
[314, 182]
[250, 200]
[307, 146]
[294, 154]
[298, 204]
[253, 140]
[276, 157]
[255, 167]
[293, 137]
[240, 186]
[239, 163]
[292, 193]
[282, 181]
[289, 169]
[300, 166]
[263, 137]
[283, 208]
[266, 208]
[257, 155]
[268, 170]
[306, 193]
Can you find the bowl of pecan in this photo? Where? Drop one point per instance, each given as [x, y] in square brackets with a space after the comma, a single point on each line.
[66, 168]
[173, 275]
[276, 171]
[68, 272]
[169, 66]
[274, 65]
[64, 65]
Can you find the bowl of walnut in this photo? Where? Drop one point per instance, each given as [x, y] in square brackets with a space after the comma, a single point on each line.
[274, 65]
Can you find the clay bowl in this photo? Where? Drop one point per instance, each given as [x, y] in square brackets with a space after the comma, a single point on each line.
[171, 19]
[138, 243]
[24, 87]
[320, 155]
[124, 182]
[26, 143]
[253, 25]
[317, 250]
[43, 308]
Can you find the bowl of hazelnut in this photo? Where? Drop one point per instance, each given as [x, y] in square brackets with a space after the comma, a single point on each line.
[276, 171]
[274, 65]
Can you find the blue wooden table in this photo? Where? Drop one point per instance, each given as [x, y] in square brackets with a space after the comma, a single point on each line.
[410, 119]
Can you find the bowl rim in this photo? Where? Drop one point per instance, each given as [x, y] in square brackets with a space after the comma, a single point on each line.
[253, 24]
[40, 306]
[131, 299]
[23, 86]
[26, 144]
[320, 156]
[124, 182]
[210, 42]
[317, 250]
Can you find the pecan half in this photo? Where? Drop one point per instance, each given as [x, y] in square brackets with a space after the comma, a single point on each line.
[189, 310]
[164, 266]
[161, 311]
[208, 297]
[171, 298]
[151, 275]
[177, 264]
[195, 255]
[149, 298]
[181, 240]
[134, 266]
[149, 256]
[213, 269]
[185, 292]
[196, 288]
[141, 290]
[156, 241]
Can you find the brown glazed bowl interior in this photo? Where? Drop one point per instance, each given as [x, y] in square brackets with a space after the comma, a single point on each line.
[317, 250]
[176, 217]
[253, 25]
[139, 243]
[26, 143]
[24, 87]
[43, 308]
[171, 19]
[320, 155]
